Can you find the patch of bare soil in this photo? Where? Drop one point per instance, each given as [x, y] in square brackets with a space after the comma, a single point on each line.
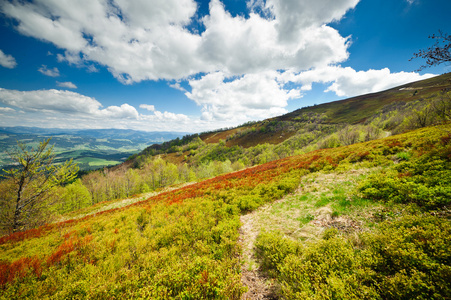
[324, 219]
[259, 286]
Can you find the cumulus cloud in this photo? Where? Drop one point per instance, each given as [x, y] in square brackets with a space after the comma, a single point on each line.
[116, 112]
[166, 116]
[147, 106]
[237, 68]
[66, 84]
[67, 109]
[148, 40]
[294, 16]
[7, 61]
[49, 72]
[63, 102]
[161, 116]
[254, 96]
[237, 45]
[349, 82]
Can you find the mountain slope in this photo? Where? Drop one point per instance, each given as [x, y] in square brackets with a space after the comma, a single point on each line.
[349, 111]
[184, 243]
[327, 125]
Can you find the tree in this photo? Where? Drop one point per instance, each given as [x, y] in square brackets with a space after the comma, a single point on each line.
[31, 185]
[348, 136]
[437, 54]
[442, 106]
[422, 117]
[74, 196]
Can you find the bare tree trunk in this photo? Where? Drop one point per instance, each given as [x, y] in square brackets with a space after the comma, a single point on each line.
[18, 209]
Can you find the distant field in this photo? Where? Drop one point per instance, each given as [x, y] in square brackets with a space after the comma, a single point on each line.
[97, 162]
[91, 149]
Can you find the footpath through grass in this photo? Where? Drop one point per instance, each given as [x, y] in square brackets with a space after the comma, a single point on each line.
[183, 244]
[380, 233]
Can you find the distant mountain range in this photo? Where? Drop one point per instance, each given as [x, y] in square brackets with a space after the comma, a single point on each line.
[134, 135]
[90, 148]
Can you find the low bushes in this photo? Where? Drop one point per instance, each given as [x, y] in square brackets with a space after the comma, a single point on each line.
[404, 259]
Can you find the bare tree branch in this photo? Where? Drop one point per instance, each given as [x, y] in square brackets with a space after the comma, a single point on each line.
[437, 54]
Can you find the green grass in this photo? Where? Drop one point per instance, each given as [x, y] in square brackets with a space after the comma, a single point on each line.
[97, 161]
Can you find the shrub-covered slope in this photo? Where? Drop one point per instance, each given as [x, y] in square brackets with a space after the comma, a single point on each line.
[359, 119]
[197, 157]
[356, 110]
[183, 244]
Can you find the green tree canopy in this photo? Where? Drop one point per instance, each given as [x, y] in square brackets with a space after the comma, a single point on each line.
[26, 198]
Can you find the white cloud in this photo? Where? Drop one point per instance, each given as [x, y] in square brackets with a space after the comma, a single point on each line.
[6, 110]
[348, 82]
[147, 106]
[161, 116]
[247, 64]
[166, 116]
[147, 14]
[252, 96]
[63, 102]
[147, 40]
[119, 112]
[294, 17]
[92, 69]
[239, 57]
[67, 109]
[66, 84]
[238, 46]
[7, 61]
[49, 72]
[177, 86]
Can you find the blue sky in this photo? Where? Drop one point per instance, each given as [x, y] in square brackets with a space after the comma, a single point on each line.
[192, 66]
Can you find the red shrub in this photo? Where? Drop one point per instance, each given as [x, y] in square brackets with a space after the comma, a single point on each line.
[446, 139]
[19, 268]
[68, 246]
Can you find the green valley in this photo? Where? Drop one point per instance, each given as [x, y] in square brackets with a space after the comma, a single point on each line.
[90, 149]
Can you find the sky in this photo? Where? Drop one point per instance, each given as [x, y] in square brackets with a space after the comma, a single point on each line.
[195, 66]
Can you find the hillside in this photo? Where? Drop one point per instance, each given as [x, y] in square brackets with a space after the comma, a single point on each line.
[351, 111]
[353, 210]
[369, 220]
[327, 125]
[200, 156]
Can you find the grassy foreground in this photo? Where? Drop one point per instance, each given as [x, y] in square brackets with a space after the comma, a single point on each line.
[183, 244]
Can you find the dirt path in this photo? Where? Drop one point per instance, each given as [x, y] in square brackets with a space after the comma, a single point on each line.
[259, 286]
[297, 216]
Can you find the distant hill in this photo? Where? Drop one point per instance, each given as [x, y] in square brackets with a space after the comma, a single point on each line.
[91, 148]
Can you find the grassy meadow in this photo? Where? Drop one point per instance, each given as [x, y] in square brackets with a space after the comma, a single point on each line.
[365, 221]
